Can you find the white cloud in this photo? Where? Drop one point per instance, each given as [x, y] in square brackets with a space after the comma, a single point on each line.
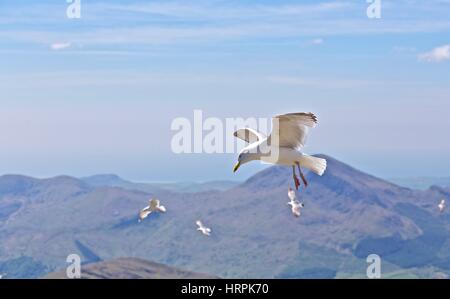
[437, 54]
[203, 21]
[60, 46]
[321, 82]
[215, 10]
[317, 41]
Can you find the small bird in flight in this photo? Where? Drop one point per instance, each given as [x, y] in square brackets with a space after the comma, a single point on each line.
[296, 206]
[154, 206]
[441, 206]
[203, 229]
[283, 146]
[291, 194]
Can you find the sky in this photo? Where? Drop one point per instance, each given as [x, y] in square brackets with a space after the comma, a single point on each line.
[98, 94]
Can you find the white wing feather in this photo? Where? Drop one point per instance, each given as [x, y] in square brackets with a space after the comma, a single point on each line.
[290, 130]
[291, 194]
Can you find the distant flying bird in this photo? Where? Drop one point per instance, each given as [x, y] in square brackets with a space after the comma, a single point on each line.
[296, 206]
[203, 229]
[154, 206]
[291, 194]
[283, 146]
[441, 206]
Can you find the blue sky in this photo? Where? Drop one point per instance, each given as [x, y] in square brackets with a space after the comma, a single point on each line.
[98, 94]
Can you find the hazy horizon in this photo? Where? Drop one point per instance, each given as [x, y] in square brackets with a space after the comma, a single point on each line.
[396, 180]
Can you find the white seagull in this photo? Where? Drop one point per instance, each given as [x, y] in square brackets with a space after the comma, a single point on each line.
[441, 206]
[154, 206]
[291, 194]
[296, 206]
[203, 229]
[2, 275]
[283, 146]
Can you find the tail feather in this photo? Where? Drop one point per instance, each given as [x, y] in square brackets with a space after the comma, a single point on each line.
[317, 165]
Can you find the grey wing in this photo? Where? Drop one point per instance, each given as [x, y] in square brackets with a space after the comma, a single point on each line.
[249, 135]
[144, 213]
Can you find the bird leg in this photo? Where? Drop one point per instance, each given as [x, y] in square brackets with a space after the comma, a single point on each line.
[301, 175]
[296, 180]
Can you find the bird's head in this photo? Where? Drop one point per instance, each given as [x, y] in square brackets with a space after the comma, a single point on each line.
[245, 156]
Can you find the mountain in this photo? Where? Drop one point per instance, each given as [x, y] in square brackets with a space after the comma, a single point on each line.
[111, 180]
[421, 183]
[348, 215]
[131, 268]
[193, 187]
[22, 267]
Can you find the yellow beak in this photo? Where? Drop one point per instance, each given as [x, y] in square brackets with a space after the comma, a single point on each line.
[236, 167]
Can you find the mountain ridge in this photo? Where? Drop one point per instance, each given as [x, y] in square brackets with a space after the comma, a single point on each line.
[346, 212]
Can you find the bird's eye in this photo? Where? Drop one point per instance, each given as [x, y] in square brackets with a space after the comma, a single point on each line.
[240, 156]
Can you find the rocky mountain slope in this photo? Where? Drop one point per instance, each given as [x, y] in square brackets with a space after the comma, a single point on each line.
[131, 268]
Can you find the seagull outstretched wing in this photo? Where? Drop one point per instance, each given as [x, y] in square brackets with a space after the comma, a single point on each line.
[441, 205]
[290, 130]
[144, 213]
[291, 194]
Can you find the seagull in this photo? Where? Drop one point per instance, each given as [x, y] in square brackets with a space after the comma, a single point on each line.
[154, 206]
[441, 206]
[294, 203]
[2, 275]
[203, 229]
[291, 194]
[283, 146]
[295, 207]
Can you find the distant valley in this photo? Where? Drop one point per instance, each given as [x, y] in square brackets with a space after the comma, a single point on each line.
[111, 180]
